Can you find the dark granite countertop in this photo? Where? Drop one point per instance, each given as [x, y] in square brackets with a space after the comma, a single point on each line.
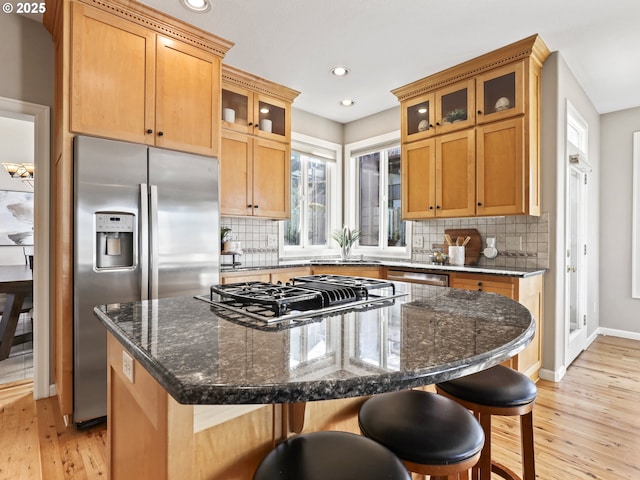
[432, 334]
[503, 271]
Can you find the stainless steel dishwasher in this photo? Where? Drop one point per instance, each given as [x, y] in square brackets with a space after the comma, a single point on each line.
[426, 278]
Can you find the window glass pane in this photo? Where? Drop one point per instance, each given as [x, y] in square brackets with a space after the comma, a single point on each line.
[293, 226]
[369, 198]
[396, 234]
[317, 205]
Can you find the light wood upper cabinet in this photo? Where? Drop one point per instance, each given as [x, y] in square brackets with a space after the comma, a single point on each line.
[255, 162]
[438, 176]
[236, 164]
[500, 168]
[455, 174]
[496, 96]
[187, 95]
[419, 187]
[130, 83]
[271, 179]
[112, 83]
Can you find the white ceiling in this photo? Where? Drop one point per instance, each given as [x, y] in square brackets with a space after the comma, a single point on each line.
[387, 43]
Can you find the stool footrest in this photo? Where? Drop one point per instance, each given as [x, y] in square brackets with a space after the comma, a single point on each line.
[504, 472]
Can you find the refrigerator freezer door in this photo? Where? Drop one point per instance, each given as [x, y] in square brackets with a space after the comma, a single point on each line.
[185, 255]
[107, 178]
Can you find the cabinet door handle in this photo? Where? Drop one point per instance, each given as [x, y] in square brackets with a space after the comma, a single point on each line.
[255, 206]
[438, 123]
[250, 123]
[249, 206]
[160, 134]
[479, 204]
[430, 207]
[479, 112]
[149, 131]
[437, 206]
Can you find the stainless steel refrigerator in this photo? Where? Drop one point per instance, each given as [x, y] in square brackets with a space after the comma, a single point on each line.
[146, 225]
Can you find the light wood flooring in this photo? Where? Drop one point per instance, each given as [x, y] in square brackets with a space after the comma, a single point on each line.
[586, 427]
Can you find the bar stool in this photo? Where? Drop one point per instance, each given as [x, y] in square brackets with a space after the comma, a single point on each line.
[431, 434]
[330, 455]
[497, 391]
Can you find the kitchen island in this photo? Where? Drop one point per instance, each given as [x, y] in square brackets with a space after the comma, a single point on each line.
[195, 393]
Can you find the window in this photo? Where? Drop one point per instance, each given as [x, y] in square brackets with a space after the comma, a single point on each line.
[374, 196]
[315, 197]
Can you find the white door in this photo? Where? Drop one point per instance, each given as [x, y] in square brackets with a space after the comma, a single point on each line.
[575, 265]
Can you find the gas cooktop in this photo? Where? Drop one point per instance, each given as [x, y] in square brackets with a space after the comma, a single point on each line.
[305, 297]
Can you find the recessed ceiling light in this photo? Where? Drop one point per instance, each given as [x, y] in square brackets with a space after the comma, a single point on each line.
[339, 71]
[199, 6]
[347, 103]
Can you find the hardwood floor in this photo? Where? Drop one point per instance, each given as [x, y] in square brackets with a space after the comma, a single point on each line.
[586, 427]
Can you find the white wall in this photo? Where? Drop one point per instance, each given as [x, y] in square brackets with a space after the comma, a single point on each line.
[26, 57]
[618, 311]
[559, 85]
[318, 127]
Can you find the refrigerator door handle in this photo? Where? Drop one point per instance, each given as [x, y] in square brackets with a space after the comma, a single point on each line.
[144, 242]
[154, 245]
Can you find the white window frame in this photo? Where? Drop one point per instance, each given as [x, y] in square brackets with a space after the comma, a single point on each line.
[352, 150]
[316, 147]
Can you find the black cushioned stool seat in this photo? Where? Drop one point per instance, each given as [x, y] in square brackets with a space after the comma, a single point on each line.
[497, 391]
[431, 434]
[330, 456]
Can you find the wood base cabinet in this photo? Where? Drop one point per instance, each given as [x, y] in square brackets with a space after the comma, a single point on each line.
[496, 98]
[527, 291]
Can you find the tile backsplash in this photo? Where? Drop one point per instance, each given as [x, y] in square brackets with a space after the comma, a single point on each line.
[253, 235]
[532, 233]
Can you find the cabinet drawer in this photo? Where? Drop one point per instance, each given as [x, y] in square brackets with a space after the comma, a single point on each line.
[483, 283]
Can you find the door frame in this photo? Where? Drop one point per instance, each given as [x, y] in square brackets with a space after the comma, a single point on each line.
[576, 161]
[40, 116]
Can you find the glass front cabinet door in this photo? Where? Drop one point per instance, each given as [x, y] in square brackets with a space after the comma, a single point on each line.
[500, 93]
[455, 107]
[271, 115]
[236, 109]
[418, 119]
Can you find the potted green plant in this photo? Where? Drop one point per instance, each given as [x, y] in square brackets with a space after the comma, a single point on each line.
[455, 115]
[345, 238]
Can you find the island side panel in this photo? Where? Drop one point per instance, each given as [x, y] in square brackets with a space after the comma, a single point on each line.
[149, 434]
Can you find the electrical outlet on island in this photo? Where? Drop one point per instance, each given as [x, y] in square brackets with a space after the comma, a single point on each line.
[127, 365]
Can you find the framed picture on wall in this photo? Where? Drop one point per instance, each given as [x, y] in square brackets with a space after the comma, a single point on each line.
[16, 218]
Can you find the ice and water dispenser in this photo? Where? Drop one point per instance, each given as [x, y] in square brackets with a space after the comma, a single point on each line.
[114, 240]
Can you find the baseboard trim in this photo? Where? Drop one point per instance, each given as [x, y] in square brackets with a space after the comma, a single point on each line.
[552, 375]
[612, 332]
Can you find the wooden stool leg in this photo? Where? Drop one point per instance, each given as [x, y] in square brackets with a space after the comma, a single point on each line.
[528, 457]
[475, 471]
[485, 457]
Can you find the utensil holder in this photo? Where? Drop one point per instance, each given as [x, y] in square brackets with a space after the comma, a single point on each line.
[456, 255]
